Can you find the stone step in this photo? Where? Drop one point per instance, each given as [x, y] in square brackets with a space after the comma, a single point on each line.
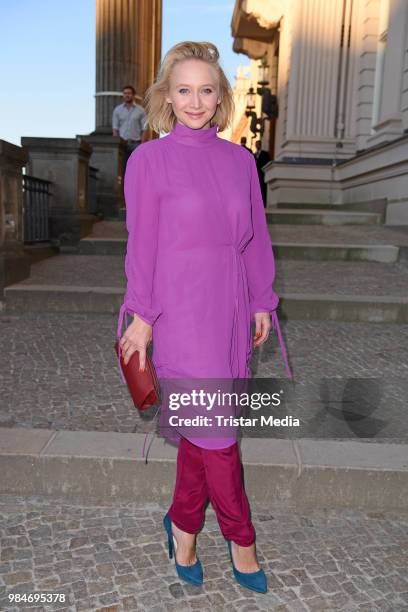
[385, 253]
[361, 309]
[339, 235]
[40, 250]
[322, 217]
[295, 474]
[396, 235]
[378, 206]
[60, 298]
[308, 242]
[343, 291]
[101, 246]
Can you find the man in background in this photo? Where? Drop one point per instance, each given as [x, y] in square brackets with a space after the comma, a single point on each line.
[261, 157]
[244, 143]
[129, 121]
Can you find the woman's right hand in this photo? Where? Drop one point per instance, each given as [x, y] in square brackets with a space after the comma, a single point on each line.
[136, 338]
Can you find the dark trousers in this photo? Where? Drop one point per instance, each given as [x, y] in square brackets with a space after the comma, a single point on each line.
[204, 474]
[131, 145]
[263, 191]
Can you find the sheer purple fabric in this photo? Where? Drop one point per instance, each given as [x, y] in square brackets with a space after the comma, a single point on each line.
[199, 261]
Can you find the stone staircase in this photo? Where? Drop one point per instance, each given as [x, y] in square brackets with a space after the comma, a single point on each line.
[72, 412]
[336, 265]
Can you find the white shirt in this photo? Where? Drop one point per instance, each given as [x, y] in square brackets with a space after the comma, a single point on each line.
[129, 121]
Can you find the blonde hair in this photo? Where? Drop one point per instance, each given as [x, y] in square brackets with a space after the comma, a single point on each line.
[160, 115]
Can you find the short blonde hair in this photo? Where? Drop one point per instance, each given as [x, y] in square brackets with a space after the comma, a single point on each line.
[160, 115]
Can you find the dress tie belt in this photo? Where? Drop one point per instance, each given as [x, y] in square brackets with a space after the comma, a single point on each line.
[122, 311]
[238, 261]
[275, 323]
[235, 353]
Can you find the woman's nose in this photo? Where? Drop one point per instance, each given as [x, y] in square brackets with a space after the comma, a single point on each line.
[196, 101]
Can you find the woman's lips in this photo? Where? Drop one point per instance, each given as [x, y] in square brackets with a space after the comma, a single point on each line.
[195, 116]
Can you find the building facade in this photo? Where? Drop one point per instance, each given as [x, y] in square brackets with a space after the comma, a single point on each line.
[339, 69]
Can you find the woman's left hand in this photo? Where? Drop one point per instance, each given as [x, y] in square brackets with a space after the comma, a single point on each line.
[262, 327]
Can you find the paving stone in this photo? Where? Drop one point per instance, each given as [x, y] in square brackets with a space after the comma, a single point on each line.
[131, 581]
[63, 389]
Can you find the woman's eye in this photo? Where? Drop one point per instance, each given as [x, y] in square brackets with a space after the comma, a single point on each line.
[207, 90]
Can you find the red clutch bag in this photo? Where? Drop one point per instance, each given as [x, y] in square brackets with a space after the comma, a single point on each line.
[143, 386]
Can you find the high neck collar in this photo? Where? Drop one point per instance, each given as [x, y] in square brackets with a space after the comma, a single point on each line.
[194, 137]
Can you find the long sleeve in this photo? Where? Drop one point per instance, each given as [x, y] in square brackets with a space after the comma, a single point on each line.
[143, 121]
[142, 222]
[260, 263]
[258, 255]
[115, 119]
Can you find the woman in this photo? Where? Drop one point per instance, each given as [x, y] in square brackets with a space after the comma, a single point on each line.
[200, 269]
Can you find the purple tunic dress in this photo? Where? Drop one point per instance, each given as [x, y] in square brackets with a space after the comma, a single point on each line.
[199, 261]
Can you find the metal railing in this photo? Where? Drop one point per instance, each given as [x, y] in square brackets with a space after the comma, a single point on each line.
[36, 204]
[36, 195]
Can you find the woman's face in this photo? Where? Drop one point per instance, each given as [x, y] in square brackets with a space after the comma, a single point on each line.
[193, 92]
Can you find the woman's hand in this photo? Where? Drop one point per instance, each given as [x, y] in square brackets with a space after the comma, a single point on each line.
[136, 338]
[262, 327]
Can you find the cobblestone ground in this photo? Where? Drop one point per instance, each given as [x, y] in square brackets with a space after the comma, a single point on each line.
[114, 558]
[59, 371]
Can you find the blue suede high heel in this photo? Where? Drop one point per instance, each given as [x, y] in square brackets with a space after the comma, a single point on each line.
[256, 581]
[190, 573]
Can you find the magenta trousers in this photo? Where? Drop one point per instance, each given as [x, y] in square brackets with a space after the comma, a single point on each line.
[204, 474]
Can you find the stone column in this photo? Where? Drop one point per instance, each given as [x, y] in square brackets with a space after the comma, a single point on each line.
[14, 262]
[322, 64]
[128, 50]
[392, 42]
[116, 58]
[64, 162]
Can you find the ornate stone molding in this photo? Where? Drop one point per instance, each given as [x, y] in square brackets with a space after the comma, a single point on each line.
[254, 24]
[254, 18]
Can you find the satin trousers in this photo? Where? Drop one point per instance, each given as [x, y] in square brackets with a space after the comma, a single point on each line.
[215, 475]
